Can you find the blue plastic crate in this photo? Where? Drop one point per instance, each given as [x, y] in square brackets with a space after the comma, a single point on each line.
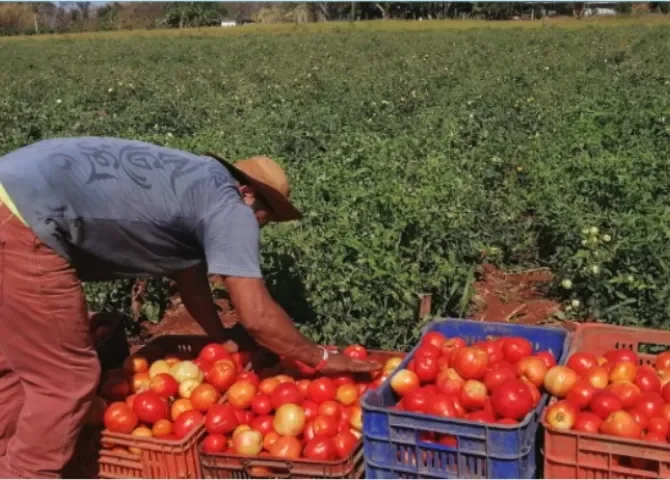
[391, 443]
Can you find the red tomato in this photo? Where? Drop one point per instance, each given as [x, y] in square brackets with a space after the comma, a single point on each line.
[665, 393]
[471, 363]
[221, 376]
[320, 448]
[654, 437]
[285, 393]
[561, 415]
[493, 349]
[473, 395]
[330, 408]
[149, 407]
[221, 419]
[640, 417]
[262, 423]
[626, 392]
[516, 348]
[404, 381]
[648, 381]
[480, 417]
[603, 403]
[311, 409]
[286, 447]
[308, 432]
[164, 385]
[547, 357]
[428, 350]
[341, 379]
[426, 367]
[581, 393]
[120, 418]
[587, 422]
[186, 422]
[451, 345]
[214, 443]
[533, 369]
[325, 425]
[355, 351]
[442, 405]
[621, 424]
[261, 404]
[581, 362]
[508, 421]
[651, 403]
[621, 355]
[417, 401]
[204, 396]
[433, 338]
[213, 352]
[497, 374]
[658, 425]
[512, 399]
[344, 443]
[663, 361]
[321, 390]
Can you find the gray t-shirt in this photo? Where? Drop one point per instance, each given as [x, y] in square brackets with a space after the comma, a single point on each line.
[119, 208]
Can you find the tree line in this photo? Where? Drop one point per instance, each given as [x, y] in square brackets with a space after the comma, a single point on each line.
[64, 17]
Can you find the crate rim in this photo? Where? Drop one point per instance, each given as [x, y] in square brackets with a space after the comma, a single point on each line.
[567, 341]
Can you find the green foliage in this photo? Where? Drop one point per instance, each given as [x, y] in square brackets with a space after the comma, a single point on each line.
[411, 153]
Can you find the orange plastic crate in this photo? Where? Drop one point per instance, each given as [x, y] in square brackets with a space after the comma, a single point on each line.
[570, 454]
[226, 465]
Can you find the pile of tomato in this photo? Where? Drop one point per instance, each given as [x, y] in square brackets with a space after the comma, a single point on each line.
[167, 398]
[613, 395]
[498, 380]
[293, 414]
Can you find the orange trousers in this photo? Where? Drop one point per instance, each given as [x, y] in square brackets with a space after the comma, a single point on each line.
[49, 368]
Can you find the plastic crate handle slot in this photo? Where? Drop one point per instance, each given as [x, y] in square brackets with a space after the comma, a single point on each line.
[273, 465]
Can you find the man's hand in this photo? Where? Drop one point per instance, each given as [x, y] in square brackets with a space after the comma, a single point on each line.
[338, 363]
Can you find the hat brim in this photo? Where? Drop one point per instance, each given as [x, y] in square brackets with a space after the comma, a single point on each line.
[282, 209]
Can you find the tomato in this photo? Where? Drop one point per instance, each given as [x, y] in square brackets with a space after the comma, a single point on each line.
[559, 380]
[311, 409]
[341, 379]
[658, 425]
[662, 361]
[480, 416]
[262, 423]
[241, 393]
[548, 358]
[497, 374]
[597, 376]
[535, 394]
[512, 399]
[289, 420]
[250, 377]
[213, 352]
[449, 382]
[221, 376]
[587, 422]
[204, 396]
[451, 345]
[443, 406]
[322, 390]
[221, 419]
[532, 368]
[561, 415]
[640, 417]
[626, 392]
[647, 381]
[623, 371]
[320, 448]
[654, 437]
[356, 418]
[244, 417]
[621, 424]
[344, 444]
[214, 443]
[303, 387]
[433, 338]
[285, 393]
[324, 425]
[603, 403]
[417, 401]
[580, 394]
[286, 447]
[186, 422]
[180, 406]
[651, 403]
[330, 408]
[516, 348]
[665, 393]
[473, 395]
[261, 404]
[494, 351]
[269, 439]
[248, 442]
[149, 407]
[471, 363]
[355, 351]
[404, 381]
[164, 385]
[581, 362]
[347, 394]
[162, 428]
[135, 364]
[426, 367]
[622, 355]
[140, 431]
[268, 385]
[120, 418]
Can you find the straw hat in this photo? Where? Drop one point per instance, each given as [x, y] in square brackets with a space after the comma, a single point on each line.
[270, 182]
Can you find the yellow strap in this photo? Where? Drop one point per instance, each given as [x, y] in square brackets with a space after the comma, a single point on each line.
[6, 199]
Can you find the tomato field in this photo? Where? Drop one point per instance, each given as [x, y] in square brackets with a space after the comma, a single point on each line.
[415, 155]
